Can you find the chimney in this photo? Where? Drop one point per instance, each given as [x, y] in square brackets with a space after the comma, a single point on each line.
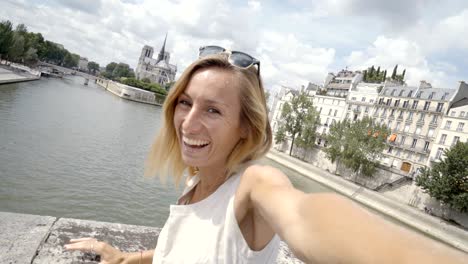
[423, 84]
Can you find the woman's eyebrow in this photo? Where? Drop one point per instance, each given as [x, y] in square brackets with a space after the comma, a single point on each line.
[209, 101]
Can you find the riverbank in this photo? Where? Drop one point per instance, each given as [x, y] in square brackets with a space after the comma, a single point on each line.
[7, 75]
[427, 224]
[40, 239]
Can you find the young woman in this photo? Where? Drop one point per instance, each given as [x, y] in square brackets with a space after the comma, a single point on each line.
[233, 210]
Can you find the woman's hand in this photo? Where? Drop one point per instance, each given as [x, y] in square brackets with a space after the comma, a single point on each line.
[109, 254]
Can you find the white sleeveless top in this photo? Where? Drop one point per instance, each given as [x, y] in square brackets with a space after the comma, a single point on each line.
[208, 232]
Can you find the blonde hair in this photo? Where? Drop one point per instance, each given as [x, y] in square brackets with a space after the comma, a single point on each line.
[165, 155]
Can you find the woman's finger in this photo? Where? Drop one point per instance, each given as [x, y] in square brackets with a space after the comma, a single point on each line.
[81, 239]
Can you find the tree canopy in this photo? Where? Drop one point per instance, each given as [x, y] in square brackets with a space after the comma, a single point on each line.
[298, 119]
[19, 45]
[447, 181]
[357, 145]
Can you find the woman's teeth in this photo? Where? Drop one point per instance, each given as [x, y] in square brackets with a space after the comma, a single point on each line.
[195, 142]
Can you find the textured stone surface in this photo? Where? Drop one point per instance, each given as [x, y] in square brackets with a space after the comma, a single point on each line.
[124, 237]
[21, 235]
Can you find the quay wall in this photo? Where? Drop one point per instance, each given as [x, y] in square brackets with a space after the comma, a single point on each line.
[40, 239]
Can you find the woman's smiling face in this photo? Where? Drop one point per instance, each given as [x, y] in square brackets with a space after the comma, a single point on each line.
[207, 118]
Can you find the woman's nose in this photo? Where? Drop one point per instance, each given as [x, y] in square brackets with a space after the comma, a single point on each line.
[192, 122]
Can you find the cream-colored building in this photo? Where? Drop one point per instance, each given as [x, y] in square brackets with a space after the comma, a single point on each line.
[157, 70]
[414, 115]
[454, 129]
[338, 85]
[83, 64]
[331, 109]
[361, 100]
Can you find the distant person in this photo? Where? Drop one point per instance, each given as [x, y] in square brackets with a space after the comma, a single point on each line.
[235, 211]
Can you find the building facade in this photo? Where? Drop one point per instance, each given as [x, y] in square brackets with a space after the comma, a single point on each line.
[158, 70]
[454, 127]
[414, 115]
[83, 64]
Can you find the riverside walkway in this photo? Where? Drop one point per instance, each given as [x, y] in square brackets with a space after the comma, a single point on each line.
[427, 224]
[9, 76]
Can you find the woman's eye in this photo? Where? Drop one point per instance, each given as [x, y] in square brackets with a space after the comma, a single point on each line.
[184, 102]
[213, 111]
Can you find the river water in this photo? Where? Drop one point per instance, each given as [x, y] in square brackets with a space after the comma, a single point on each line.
[70, 150]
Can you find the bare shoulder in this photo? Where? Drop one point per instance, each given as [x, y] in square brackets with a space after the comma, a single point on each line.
[264, 174]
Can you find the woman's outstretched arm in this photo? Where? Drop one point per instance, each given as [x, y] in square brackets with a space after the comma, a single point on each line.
[328, 228]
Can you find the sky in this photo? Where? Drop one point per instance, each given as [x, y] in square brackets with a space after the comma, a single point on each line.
[297, 41]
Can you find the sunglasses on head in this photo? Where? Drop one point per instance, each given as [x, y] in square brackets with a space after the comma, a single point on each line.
[236, 58]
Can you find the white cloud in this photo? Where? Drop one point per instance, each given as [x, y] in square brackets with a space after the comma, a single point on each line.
[387, 52]
[255, 5]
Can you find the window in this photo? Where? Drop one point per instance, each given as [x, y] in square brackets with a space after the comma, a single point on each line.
[430, 132]
[349, 107]
[434, 119]
[328, 120]
[389, 101]
[371, 101]
[462, 114]
[439, 153]
[448, 124]
[381, 101]
[452, 113]
[444, 96]
[418, 95]
[410, 93]
[329, 112]
[418, 130]
[426, 145]
[413, 144]
[347, 115]
[421, 158]
[397, 102]
[401, 93]
[367, 109]
[393, 92]
[431, 95]
[410, 115]
[353, 98]
[405, 104]
[398, 152]
[320, 111]
[363, 99]
[397, 126]
[406, 128]
[440, 107]
[390, 150]
[421, 116]
[400, 115]
[402, 141]
[442, 139]
[392, 113]
[455, 140]
[460, 126]
[426, 106]
[415, 104]
[336, 111]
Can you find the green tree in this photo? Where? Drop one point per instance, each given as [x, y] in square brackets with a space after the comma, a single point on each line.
[93, 67]
[30, 57]
[447, 181]
[357, 145]
[69, 60]
[293, 116]
[307, 136]
[146, 80]
[6, 37]
[394, 73]
[16, 51]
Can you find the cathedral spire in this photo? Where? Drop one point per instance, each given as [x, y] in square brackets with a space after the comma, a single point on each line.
[163, 50]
